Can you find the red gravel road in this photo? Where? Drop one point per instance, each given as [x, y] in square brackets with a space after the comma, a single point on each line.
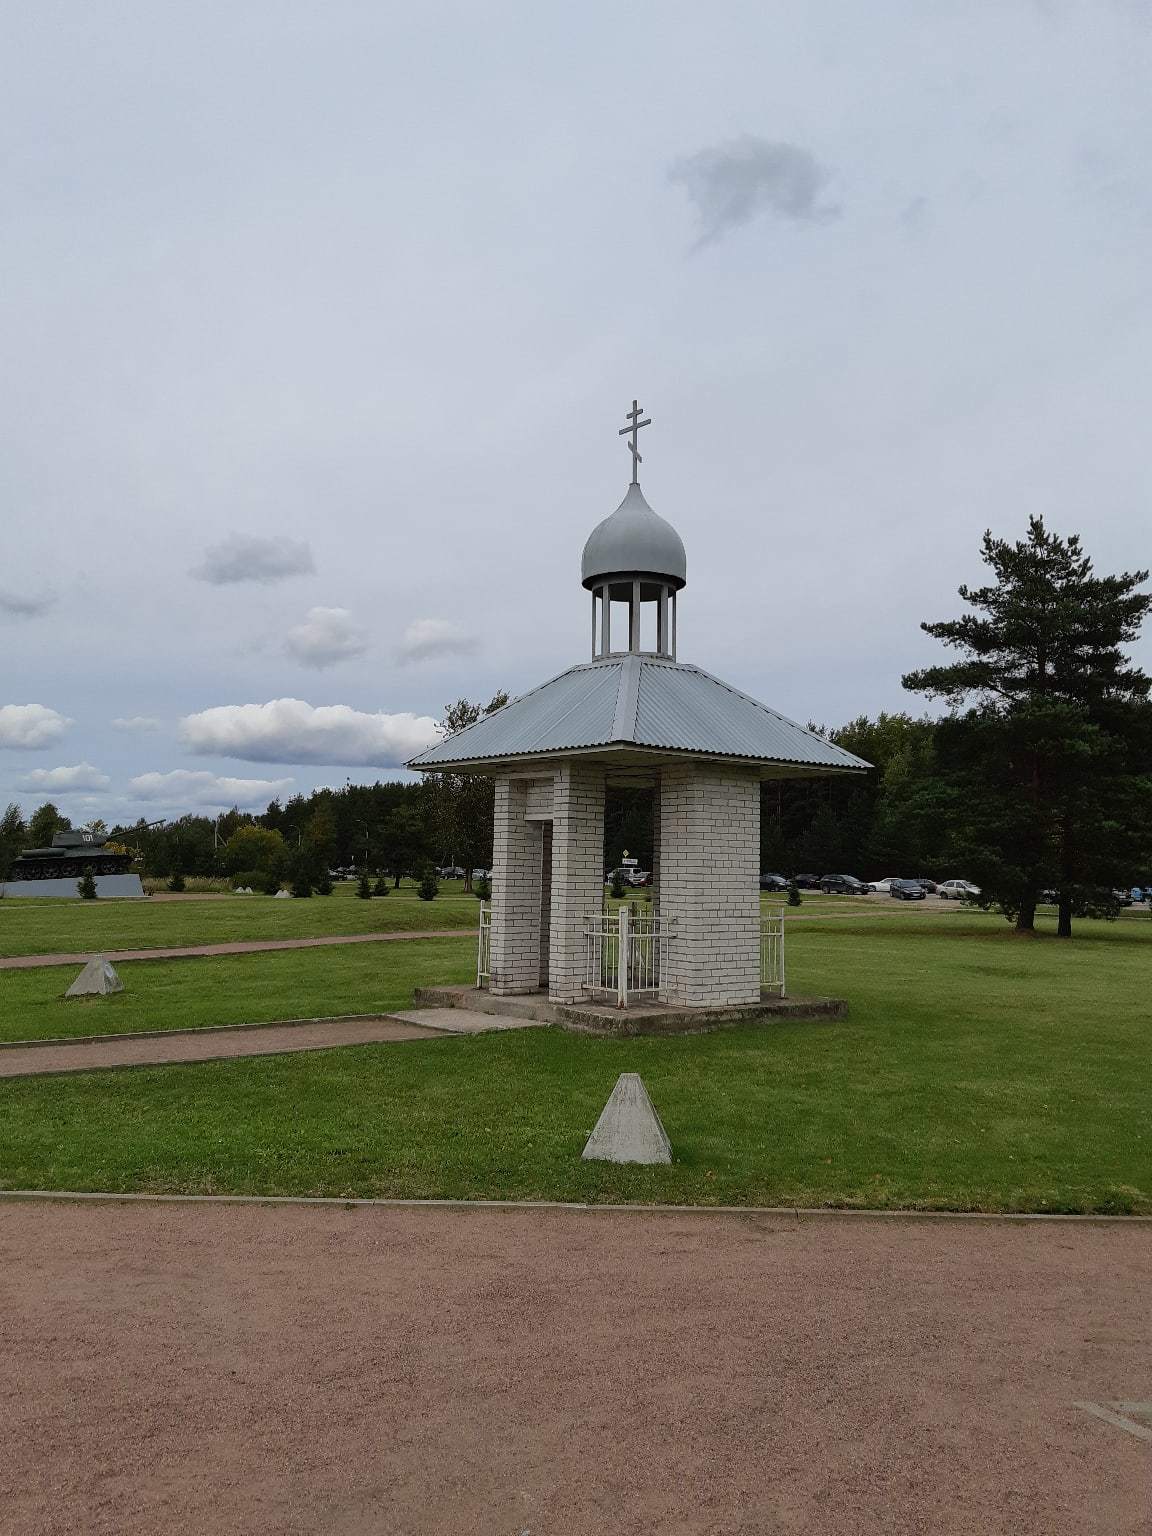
[253, 1370]
[239, 947]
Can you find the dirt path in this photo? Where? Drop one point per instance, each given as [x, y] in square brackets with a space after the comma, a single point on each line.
[253, 1370]
[238, 947]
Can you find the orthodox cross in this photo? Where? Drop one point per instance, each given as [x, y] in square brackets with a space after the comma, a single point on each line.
[630, 431]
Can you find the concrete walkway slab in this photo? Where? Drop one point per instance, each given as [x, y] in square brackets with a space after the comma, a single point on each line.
[465, 1021]
[151, 1050]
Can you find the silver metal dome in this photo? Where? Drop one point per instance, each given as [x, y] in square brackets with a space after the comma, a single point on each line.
[634, 541]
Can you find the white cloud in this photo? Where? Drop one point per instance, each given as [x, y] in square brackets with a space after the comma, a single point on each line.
[291, 731]
[137, 723]
[27, 727]
[426, 638]
[184, 786]
[241, 557]
[25, 605]
[731, 183]
[65, 780]
[326, 636]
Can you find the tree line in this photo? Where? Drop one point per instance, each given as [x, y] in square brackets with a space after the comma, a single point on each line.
[1037, 780]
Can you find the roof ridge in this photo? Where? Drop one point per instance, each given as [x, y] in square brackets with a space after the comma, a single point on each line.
[767, 709]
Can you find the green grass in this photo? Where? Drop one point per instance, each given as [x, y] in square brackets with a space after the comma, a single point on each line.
[976, 1072]
[39, 926]
[232, 989]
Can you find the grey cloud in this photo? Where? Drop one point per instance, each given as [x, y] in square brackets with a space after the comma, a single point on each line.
[65, 780]
[326, 636]
[25, 605]
[187, 786]
[242, 557]
[732, 183]
[425, 639]
[28, 727]
[293, 731]
[136, 723]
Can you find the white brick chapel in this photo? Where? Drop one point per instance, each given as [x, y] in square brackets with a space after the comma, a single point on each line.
[633, 715]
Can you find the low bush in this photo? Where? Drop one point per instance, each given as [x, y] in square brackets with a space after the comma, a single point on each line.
[429, 886]
[364, 887]
[381, 887]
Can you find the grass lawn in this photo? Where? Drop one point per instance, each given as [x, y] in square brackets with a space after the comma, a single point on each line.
[977, 1071]
[232, 989]
[40, 926]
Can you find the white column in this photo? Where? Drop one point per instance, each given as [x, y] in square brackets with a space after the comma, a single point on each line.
[516, 849]
[709, 856]
[577, 872]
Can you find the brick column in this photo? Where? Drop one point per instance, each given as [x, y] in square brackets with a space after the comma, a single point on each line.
[516, 853]
[577, 872]
[709, 856]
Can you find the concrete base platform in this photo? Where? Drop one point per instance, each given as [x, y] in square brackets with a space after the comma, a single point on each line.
[653, 1019]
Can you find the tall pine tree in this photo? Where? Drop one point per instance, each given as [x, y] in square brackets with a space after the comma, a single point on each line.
[1046, 774]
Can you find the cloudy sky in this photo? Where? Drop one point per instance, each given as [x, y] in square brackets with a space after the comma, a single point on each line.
[319, 320]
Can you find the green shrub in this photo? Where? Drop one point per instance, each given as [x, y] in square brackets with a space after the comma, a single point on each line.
[364, 886]
[248, 878]
[176, 881]
[618, 887]
[793, 895]
[381, 886]
[86, 885]
[483, 888]
[323, 884]
[429, 887]
[301, 883]
[268, 883]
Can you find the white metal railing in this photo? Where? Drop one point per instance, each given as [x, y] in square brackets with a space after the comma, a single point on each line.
[772, 953]
[484, 948]
[624, 955]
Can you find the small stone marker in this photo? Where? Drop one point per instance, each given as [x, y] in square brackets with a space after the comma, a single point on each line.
[97, 979]
[282, 894]
[629, 1129]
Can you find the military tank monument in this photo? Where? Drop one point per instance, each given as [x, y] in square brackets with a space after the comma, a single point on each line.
[56, 871]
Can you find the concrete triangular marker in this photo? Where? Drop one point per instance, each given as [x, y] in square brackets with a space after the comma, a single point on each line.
[629, 1129]
[97, 979]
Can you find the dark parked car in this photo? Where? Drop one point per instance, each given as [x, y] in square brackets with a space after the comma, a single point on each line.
[842, 885]
[806, 882]
[773, 883]
[929, 885]
[907, 890]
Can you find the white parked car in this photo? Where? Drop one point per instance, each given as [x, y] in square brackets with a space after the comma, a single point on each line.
[884, 885]
[957, 890]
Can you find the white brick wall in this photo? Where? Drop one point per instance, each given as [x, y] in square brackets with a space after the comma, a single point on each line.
[709, 817]
[577, 872]
[516, 855]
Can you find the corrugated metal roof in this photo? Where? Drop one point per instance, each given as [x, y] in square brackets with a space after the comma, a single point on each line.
[638, 701]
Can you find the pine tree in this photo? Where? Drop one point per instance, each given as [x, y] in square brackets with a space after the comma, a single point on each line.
[429, 887]
[364, 886]
[1045, 777]
[86, 886]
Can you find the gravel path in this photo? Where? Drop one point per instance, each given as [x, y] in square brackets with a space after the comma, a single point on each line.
[253, 1370]
[239, 947]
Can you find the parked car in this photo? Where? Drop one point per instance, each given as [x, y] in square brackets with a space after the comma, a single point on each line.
[806, 882]
[957, 890]
[883, 886]
[638, 876]
[906, 890]
[843, 885]
[930, 886]
[773, 883]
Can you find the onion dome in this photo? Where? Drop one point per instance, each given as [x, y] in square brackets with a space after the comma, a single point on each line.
[634, 541]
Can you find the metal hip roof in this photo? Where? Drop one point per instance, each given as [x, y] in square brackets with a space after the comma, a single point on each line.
[641, 702]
